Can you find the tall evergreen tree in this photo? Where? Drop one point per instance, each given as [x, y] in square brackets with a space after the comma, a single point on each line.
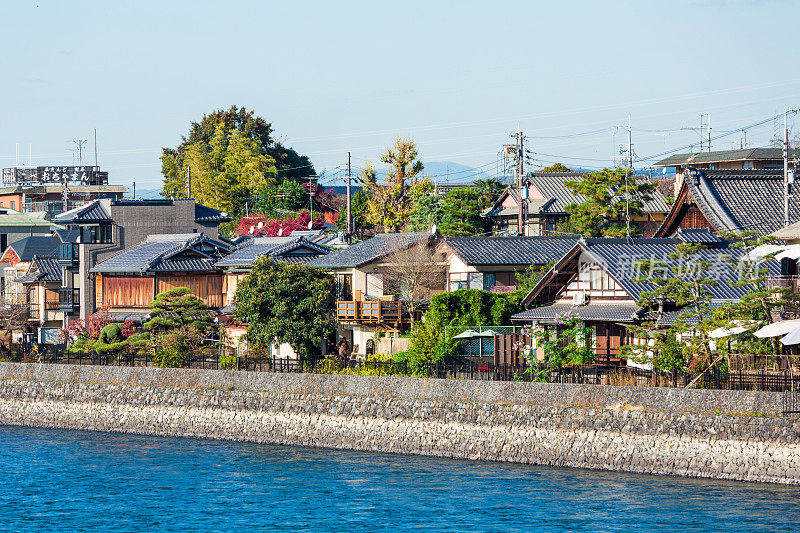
[232, 157]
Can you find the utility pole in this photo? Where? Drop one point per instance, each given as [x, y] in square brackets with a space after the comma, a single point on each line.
[188, 182]
[349, 226]
[630, 145]
[519, 170]
[708, 116]
[786, 183]
[65, 193]
[79, 143]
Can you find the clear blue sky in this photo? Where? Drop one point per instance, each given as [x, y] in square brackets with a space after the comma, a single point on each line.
[457, 77]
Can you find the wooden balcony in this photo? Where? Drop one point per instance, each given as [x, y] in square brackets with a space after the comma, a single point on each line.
[376, 312]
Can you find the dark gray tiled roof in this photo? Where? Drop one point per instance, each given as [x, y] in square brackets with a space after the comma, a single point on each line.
[286, 249]
[369, 250]
[68, 235]
[29, 247]
[42, 269]
[551, 185]
[171, 253]
[747, 154]
[609, 312]
[48, 268]
[703, 235]
[203, 213]
[742, 199]
[557, 196]
[92, 212]
[516, 251]
[618, 257]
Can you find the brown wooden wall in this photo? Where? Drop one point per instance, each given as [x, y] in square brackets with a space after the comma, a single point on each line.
[124, 291]
[139, 291]
[208, 288]
[504, 351]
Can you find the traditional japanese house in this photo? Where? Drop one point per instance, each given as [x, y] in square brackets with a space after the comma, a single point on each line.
[372, 295]
[42, 281]
[729, 200]
[126, 283]
[16, 260]
[598, 282]
[102, 228]
[545, 203]
[493, 263]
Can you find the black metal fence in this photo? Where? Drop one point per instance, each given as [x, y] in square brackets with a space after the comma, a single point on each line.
[760, 380]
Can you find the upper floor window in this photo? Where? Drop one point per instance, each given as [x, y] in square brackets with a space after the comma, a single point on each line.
[101, 234]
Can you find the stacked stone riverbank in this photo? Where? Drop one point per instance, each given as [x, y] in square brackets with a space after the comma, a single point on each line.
[716, 434]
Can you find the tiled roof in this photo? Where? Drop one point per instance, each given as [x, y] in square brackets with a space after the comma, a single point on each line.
[742, 199]
[369, 250]
[747, 154]
[609, 312]
[551, 185]
[172, 253]
[702, 235]
[68, 235]
[618, 257]
[279, 248]
[203, 213]
[93, 211]
[42, 245]
[515, 251]
[557, 196]
[44, 268]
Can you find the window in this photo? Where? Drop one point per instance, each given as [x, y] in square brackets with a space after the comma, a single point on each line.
[13, 204]
[747, 165]
[458, 281]
[344, 286]
[489, 281]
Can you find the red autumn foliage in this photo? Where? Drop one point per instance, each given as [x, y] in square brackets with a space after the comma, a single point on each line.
[259, 225]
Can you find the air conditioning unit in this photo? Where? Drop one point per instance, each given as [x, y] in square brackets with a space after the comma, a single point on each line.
[580, 298]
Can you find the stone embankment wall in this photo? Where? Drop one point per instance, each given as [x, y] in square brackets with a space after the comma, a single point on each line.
[718, 434]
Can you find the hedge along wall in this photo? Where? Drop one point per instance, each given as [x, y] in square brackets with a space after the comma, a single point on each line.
[719, 434]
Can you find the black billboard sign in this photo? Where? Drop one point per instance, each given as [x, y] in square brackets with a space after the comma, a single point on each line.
[82, 175]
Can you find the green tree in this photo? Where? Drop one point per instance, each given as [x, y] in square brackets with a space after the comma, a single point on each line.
[462, 212]
[389, 205]
[610, 196]
[490, 190]
[555, 167]
[448, 314]
[286, 303]
[529, 278]
[427, 210]
[232, 157]
[568, 345]
[683, 283]
[358, 212]
[178, 309]
[762, 301]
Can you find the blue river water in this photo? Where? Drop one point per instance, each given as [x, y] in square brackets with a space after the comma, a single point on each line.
[52, 480]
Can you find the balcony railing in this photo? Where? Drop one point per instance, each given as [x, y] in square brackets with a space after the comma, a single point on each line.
[374, 311]
[68, 254]
[504, 288]
[69, 299]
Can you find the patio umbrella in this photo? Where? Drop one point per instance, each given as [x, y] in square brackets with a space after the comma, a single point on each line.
[468, 334]
[777, 328]
[740, 326]
[792, 338]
